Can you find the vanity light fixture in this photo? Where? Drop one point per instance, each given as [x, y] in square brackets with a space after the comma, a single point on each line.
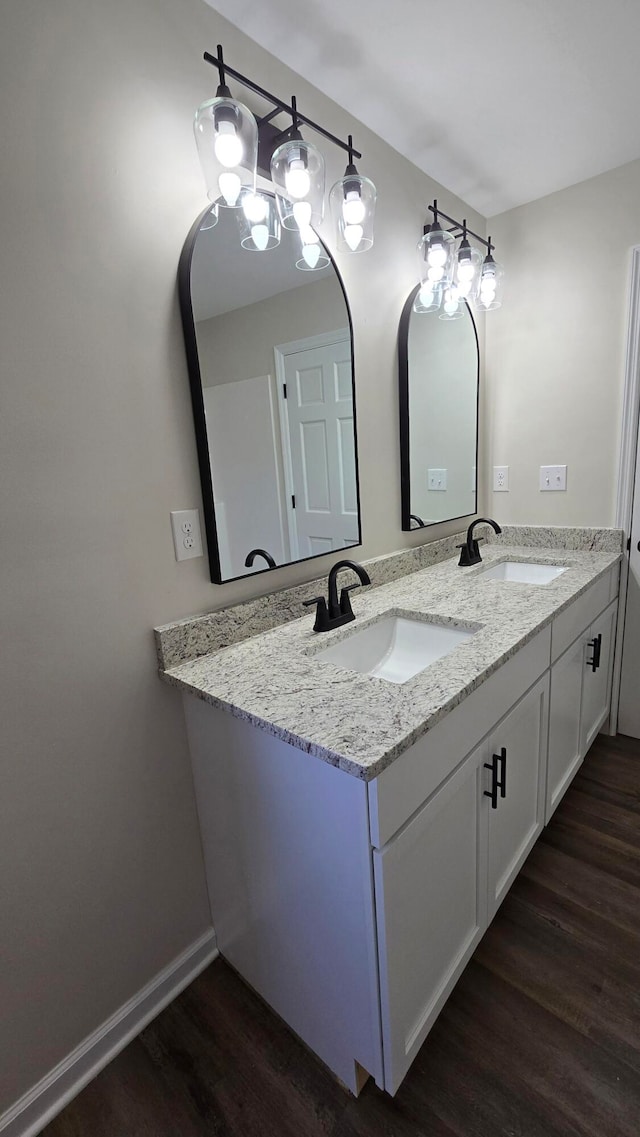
[258, 222]
[227, 139]
[297, 173]
[452, 303]
[436, 250]
[467, 268]
[449, 277]
[353, 204]
[234, 147]
[491, 277]
[313, 255]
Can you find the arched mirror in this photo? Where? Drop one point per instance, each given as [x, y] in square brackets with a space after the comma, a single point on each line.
[438, 374]
[270, 355]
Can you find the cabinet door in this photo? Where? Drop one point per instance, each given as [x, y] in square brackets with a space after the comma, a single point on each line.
[431, 913]
[516, 820]
[565, 733]
[596, 685]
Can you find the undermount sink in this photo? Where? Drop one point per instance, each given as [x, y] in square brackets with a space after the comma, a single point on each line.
[395, 648]
[519, 572]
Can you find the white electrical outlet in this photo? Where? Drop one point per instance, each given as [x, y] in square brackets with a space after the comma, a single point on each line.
[500, 479]
[553, 478]
[437, 479]
[185, 526]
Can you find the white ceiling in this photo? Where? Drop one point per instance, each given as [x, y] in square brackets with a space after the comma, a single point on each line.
[224, 276]
[502, 101]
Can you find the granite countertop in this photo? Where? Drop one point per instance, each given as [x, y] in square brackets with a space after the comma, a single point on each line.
[360, 723]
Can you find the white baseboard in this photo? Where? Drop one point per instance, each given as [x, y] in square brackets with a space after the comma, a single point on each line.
[39, 1105]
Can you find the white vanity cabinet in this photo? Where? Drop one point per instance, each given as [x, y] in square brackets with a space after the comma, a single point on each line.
[596, 682]
[517, 751]
[351, 906]
[580, 686]
[440, 880]
[431, 905]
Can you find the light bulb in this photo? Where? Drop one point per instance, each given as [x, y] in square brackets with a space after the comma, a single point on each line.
[465, 269]
[302, 214]
[230, 186]
[311, 254]
[435, 273]
[353, 208]
[260, 234]
[488, 287]
[353, 236]
[297, 178]
[228, 146]
[464, 287]
[437, 256]
[254, 207]
[426, 295]
[450, 301]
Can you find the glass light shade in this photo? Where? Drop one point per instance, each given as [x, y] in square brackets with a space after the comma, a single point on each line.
[353, 206]
[490, 286]
[227, 140]
[468, 262]
[210, 218]
[258, 222]
[313, 256]
[436, 253]
[452, 304]
[297, 173]
[428, 298]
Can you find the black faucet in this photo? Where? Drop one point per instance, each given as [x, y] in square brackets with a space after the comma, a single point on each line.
[334, 614]
[259, 553]
[469, 552]
[415, 517]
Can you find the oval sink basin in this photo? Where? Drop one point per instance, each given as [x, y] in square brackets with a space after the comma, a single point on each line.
[520, 573]
[395, 648]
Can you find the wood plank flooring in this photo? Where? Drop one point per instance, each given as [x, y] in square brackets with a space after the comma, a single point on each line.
[541, 1037]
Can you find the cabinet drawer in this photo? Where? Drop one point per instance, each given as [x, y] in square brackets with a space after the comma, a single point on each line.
[572, 622]
[402, 788]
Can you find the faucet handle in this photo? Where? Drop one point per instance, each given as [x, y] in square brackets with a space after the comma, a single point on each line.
[345, 599]
[322, 613]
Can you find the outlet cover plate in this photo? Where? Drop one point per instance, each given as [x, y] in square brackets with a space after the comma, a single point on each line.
[553, 478]
[187, 539]
[500, 479]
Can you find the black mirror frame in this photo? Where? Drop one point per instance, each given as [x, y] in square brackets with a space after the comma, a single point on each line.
[403, 386]
[199, 419]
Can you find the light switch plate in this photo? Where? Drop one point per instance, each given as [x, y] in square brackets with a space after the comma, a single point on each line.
[553, 478]
[500, 479]
[437, 479]
[187, 540]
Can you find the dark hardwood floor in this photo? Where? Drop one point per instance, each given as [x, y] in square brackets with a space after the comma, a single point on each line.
[541, 1037]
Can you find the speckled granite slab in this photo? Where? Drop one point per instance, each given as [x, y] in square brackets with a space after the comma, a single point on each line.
[566, 537]
[200, 635]
[360, 723]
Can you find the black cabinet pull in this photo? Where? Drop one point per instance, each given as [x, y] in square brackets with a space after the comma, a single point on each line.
[501, 758]
[596, 647]
[493, 792]
[497, 782]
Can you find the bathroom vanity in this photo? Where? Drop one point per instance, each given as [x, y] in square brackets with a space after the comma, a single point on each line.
[360, 834]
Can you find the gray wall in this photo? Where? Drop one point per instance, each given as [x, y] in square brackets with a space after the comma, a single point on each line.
[557, 348]
[101, 874]
[239, 344]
